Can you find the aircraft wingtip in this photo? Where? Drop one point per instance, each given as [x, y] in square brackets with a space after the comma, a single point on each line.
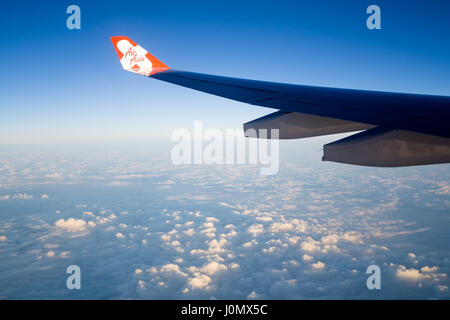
[136, 59]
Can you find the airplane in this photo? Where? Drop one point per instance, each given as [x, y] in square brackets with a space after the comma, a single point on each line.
[394, 129]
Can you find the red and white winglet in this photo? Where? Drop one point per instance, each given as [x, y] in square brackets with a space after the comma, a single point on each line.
[136, 59]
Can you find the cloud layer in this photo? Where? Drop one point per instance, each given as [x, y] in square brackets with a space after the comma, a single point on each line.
[165, 231]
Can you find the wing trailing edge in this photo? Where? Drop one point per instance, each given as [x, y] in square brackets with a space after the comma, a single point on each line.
[294, 125]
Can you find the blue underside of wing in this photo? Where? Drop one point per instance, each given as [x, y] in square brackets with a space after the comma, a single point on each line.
[420, 113]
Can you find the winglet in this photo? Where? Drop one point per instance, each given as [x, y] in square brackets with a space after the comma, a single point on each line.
[136, 59]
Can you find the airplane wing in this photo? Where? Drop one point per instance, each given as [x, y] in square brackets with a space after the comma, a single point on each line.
[398, 129]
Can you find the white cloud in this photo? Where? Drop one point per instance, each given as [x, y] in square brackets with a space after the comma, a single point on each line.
[210, 268]
[190, 232]
[103, 220]
[319, 265]
[50, 254]
[310, 245]
[230, 234]
[54, 176]
[264, 219]
[208, 229]
[412, 255]
[215, 249]
[330, 239]
[64, 254]
[326, 244]
[250, 244]
[165, 237]
[175, 243]
[174, 269]
[353, 237]
[23, 196]
[426, 273]
[270, 249]
[71, 225]
[200, 281]
[281, 227]
[442, 288]
[120, 235]
[307, 257]
[427, 269]
[44, 196]
[3, 238]
[255, 229]
[152, 270]
[444, 190]
[408, 274]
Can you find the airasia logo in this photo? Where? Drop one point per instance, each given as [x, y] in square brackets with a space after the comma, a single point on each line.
[132, 55]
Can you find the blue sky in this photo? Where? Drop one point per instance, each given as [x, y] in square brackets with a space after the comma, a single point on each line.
[60, 85]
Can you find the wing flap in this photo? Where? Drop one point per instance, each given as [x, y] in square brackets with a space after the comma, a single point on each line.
[381, 147]
[294, 125]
